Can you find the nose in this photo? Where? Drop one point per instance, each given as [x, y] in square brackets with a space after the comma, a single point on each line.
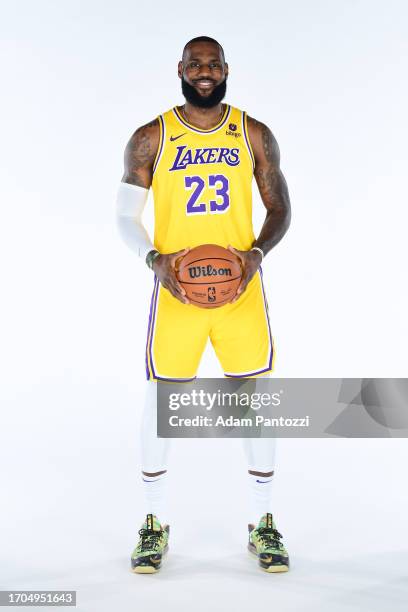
[205, 71]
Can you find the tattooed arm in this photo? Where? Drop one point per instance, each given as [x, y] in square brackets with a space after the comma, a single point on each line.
[271, 184]
[274, 193]
[140, 154]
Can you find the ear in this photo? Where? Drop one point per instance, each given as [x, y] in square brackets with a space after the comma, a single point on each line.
[180, 69]
[226, 70]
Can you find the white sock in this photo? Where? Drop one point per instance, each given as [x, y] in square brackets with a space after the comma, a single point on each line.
[260, 494]
[155, 496]
[260, 454]
[154, 453]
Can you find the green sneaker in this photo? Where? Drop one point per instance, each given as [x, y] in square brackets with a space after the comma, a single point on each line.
[153, 544]
[264, 542]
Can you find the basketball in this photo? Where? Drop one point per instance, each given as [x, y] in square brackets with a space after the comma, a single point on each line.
[210, 275]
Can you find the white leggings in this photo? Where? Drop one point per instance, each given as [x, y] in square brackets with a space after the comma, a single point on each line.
[260, 452]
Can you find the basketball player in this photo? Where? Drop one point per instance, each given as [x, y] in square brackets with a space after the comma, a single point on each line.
[199, 159]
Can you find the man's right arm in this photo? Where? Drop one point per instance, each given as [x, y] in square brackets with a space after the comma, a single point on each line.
[133, 190]
[140, 154]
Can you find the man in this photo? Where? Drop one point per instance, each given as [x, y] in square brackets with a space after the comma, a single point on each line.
[200, 159]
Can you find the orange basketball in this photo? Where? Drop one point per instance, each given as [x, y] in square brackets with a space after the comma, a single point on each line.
[210, 275]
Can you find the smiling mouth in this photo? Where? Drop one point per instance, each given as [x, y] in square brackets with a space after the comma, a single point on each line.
[203, 84]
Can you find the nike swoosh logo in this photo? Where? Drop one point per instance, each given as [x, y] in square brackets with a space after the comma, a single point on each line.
[263, 481]
[175, 137]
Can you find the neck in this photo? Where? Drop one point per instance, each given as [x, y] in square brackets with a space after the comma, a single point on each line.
[204, 118]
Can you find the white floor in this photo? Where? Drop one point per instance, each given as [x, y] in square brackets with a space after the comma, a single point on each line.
[72, 506]
[231, 581]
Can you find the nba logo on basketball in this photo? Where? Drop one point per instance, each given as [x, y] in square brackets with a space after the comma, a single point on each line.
[211, 294]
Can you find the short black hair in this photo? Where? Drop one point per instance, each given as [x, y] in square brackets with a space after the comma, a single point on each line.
[204, 39]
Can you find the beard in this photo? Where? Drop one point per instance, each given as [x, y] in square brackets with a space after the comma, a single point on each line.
[194, 98]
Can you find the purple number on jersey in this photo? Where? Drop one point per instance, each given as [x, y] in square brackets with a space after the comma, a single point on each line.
[219, 191]
[192, 206]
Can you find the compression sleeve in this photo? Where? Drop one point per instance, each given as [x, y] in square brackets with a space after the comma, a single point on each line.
[130, 204]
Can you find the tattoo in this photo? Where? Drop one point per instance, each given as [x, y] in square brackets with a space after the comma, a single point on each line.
[272, 186]
[140, 154]
[270, 145]
[151, 124]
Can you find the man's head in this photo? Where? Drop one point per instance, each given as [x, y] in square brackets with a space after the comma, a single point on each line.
[203, 72]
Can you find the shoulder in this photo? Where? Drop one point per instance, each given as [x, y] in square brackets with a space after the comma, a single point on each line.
[149, 132]
[263, 141]
[140, 154]
[143, 144]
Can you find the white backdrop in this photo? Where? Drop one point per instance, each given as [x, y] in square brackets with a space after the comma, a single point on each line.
[77, 79]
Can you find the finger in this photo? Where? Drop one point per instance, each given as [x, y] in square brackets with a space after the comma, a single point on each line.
[241, 288]
[178, 255]
[180, 289]
[243, 283]
[176, 283]
[183, 251]
[177, 295]
[237, 296]
[236, 251]
[168, 284]
[239, 254]
[238, 293]
[180, 298]
[173, 287]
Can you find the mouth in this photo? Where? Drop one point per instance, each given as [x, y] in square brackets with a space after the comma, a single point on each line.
[204, 84]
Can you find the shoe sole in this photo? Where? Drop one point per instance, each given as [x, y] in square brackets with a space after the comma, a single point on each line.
[144, 569]
[272, 569]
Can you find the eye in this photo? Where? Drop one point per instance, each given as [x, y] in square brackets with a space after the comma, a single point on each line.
[216, 65]
[194, 65]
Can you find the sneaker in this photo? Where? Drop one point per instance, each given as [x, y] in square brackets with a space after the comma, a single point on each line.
[152, 545]
[264, 542]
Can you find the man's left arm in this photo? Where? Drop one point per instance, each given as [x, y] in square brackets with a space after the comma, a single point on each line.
[275, 196]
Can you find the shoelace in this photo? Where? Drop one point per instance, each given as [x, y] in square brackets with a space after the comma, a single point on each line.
[270, 536]
[150, 539]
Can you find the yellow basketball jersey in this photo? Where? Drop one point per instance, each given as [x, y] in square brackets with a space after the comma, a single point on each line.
[202, 183]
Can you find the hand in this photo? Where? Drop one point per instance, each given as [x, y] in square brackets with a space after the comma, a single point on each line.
[250, 260]
[164, 268]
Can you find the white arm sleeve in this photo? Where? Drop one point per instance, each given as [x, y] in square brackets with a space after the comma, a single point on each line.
[130, 204]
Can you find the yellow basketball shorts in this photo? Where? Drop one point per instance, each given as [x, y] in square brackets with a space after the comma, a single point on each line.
[178, 333]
